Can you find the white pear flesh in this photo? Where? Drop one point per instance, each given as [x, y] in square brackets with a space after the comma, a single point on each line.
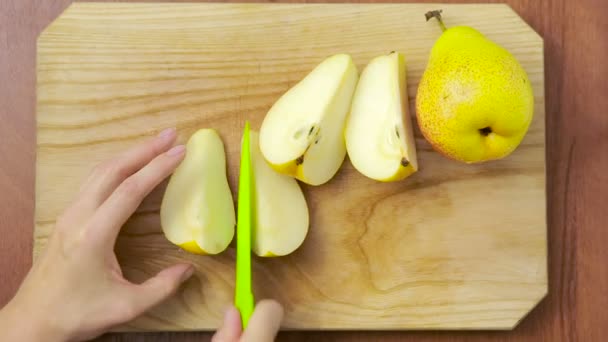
[281, 213]
[302, 134]
[379, 135]
[197, 211]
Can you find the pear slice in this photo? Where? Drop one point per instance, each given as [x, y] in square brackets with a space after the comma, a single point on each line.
[302, 134]
[379, 135]
[281, 214]
[197, 211]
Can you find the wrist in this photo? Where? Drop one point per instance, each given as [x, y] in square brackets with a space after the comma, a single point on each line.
[18, 322]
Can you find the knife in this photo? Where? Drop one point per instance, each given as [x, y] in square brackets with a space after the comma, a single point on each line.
[243, 297]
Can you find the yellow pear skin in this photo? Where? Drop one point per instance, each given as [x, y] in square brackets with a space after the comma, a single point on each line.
[474, 101]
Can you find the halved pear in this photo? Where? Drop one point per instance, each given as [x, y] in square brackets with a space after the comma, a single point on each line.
[302, 134]
[197, 211]
[281, 213]
[379, 135]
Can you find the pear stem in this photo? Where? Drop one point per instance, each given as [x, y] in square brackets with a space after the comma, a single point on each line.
[437, 15]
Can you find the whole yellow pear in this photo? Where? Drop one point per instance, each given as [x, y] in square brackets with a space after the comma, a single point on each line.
[474, 101]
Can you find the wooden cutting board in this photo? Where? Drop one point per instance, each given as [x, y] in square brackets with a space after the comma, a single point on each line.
[453, 247]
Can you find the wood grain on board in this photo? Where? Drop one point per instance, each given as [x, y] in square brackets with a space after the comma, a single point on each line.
[453, 247]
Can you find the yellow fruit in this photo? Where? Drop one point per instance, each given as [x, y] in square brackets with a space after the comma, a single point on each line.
[379, 134]
[302, 134]
[281, 212]
[197, 211]
[474, 101]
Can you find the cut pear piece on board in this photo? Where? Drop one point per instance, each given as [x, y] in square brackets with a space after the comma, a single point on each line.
[197, 211]
[379, 135]
[302, 134]
[281, 213]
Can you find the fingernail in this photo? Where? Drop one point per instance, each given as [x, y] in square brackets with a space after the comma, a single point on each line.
[166, 133]
[187, 273]
[176, 150]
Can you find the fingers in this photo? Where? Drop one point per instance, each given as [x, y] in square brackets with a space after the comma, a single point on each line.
[121, 204]
[106, 177]
[265, 322]
[158, 288]
[231, 328]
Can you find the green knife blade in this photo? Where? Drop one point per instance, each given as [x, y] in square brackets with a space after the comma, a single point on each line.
[243, 297]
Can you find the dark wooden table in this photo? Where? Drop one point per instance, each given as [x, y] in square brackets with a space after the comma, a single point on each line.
[576, 48]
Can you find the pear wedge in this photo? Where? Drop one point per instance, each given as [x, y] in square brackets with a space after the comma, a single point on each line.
[281, 215]
[302, 134]
[379, 135]
[197, 211]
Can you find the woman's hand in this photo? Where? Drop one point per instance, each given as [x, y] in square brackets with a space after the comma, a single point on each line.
[76, 290]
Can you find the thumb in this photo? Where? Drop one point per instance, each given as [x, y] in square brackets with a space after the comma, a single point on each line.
[265, 322]
[231, 328]
[158, 288]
